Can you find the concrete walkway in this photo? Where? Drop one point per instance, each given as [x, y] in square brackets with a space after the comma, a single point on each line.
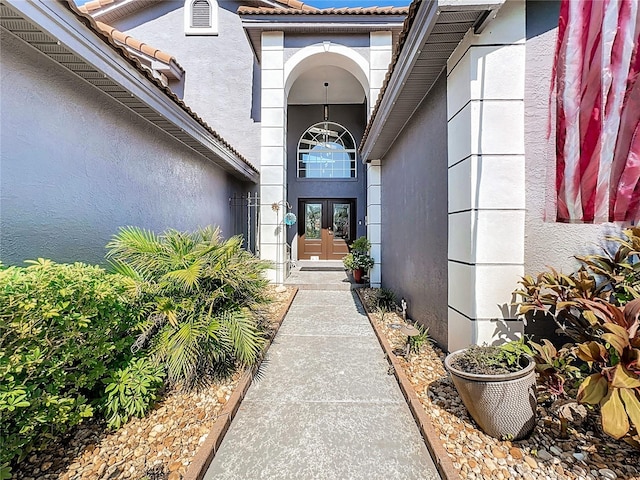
[324, 406]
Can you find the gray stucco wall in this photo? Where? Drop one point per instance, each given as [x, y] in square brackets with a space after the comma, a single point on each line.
[547, 243]
[414, 214]
[75, 166]
[299, 119]
[222, 82]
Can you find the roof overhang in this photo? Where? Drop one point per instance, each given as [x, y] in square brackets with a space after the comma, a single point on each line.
[434, 33]
[255, 24]
[72, 44]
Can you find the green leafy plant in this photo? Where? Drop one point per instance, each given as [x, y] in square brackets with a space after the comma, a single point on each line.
[493, 360]
[512, 352]
[354, 261]
[131, 390]
[555, 367]
[385, 300]
[62, 328]
[416, 342]
[197, 292]
[361, 245]
[618, 272]
[588, 306]
[572, 301]
[558, 296]
[615, 359]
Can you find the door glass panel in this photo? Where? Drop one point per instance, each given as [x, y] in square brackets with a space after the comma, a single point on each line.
[341, 220]
[313, 220]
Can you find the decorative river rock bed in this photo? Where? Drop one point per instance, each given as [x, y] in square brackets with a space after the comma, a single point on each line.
[162, 445]
[585, 455]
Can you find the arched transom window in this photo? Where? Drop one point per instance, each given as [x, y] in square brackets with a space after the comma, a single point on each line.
[327, 150]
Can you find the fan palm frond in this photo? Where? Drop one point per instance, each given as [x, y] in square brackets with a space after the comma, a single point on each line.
[187, 278]
[243, 335]
[197, 292]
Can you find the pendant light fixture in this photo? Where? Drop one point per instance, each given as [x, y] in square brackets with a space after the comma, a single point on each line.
[326, 102]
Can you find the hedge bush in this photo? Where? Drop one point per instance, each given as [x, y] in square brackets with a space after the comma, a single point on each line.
[63, 329]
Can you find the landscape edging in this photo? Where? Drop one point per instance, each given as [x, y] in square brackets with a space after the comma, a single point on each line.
[204, 456]
[432, 441]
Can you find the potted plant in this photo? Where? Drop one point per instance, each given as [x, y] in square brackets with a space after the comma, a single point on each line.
[497, 385]
[358, 263]
[358, 260]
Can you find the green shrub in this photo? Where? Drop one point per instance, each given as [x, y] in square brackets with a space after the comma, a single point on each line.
[355, 260]
[197, 291]
[417, 341]
[361, 245]
[599, 308]
[131, 390]
[386, 300]
[62, 327]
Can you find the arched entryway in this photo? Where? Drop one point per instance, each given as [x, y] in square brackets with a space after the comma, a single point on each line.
[294, 72]
[326, 88]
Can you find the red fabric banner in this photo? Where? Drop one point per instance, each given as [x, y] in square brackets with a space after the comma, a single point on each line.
[596, 72]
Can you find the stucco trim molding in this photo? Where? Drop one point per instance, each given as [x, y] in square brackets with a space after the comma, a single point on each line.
[331, 53]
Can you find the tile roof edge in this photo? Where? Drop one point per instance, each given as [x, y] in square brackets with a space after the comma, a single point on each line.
[244, 10]
[94, 5]
[137, 45]
[296, 4]
[89, 22]
[406, 28]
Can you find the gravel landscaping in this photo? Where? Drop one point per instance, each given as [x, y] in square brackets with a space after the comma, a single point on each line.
[158, 447]
[586, 454]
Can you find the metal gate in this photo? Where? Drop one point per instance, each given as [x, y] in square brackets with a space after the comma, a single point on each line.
[244, 218]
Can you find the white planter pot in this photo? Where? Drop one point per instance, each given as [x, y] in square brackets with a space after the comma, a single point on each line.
[504, 406]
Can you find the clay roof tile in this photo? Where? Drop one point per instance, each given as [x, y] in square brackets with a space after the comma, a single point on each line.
[136, 44]
[94, 5]
[325, 11]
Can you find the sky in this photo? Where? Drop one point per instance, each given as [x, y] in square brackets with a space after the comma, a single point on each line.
[337, 3]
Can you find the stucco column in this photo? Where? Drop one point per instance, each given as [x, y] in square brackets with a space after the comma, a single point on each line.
[486, 206]
[374, 219]
[273, 156]
[380, 52]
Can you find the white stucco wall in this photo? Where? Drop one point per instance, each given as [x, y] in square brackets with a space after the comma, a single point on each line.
[76, 165]
[222, 81]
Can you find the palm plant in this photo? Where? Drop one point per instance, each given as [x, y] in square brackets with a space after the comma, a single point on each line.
[199, 292]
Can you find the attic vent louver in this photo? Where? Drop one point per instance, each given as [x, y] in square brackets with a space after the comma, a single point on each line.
[201, 14]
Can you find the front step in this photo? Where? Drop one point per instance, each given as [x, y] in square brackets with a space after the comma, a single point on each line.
[321, 275]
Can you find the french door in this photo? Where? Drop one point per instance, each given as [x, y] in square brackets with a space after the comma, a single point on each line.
[325, 229]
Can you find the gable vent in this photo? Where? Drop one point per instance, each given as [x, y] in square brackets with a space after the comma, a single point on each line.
[201, 14]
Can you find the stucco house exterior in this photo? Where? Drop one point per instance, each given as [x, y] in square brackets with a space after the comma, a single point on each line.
[423, 128]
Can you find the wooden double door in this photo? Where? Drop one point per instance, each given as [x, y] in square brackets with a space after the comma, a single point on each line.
[325, 227]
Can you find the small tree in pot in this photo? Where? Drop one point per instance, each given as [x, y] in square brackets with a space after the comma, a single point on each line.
[497, 386]
[358, 260]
